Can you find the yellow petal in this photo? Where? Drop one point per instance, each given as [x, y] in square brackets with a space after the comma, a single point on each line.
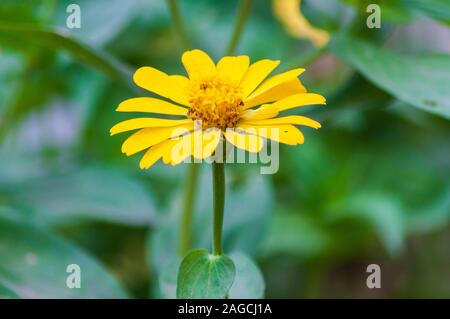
[278, 92]
[276, 80]
[179, 80]
[209, 141]
[248, 142]
[134, 124]
[155, 153]
[293, 119]
[297, 100]
[172, 87]
[233, 67]
[287, 134]
[181, 150]
[197, 64]
[151, 105]
[261, 113]
[256, 73]
[148, 137]
[289, 13]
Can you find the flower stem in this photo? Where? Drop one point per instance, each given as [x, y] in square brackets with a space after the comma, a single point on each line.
[219, 205]
[178, 23]
[244, 11]
[185, 240]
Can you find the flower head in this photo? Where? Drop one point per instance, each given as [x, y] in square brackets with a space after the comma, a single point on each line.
[232, 100]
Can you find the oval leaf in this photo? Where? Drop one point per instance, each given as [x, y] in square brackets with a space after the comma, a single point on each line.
[249, 281]
[205, 276]
[91, 193]
[34, 263]
[421, 80]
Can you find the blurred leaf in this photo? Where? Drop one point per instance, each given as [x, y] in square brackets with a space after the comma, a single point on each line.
[39, 70]
[436, 9]
[58, 39]
[295, 234]
[5, 292]
[205, 276]
[97, 26]
[34, 265]
[248, 282]
[167, 279]
[383, 212]
[10, 66]
[90, 192]
[420, 80]
[434, 217]
[29, 11]
[409, 10]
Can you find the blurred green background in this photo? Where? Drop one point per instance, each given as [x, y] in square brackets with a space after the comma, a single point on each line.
[371, 186]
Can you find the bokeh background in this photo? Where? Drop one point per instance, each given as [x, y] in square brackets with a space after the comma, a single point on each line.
[371, 186]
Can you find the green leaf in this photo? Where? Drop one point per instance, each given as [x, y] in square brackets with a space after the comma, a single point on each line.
[91, 193]
[382, 212]
[34, 264]
[408, 10]
[248, 282]
[5, 292]
[58, 39]
[97, 27]
[205, 276]
[435, 9]
[295, 234]
[420, 80]
[167, 279]
[434, 217]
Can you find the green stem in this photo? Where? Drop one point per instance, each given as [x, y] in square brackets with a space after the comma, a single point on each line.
[178, 23]
[244, 11]
[219, 205]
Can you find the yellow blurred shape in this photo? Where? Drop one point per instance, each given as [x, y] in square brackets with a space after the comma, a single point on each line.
[295, 23]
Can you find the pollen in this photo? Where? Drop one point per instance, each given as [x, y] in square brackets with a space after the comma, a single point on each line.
[216, 102]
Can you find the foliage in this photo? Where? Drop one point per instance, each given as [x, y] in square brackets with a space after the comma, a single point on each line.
[372, 187]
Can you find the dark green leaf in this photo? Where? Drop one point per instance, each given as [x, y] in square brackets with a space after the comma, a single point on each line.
[90, 192]
[421, 80]
[97, 27]
[59, 40]
[34, 265]
[295, 234]
[205, 276]
[433, 217]
[5, 292]
[382, 212]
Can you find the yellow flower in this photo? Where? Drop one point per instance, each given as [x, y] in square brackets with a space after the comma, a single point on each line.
[289, 13]
[215, 102]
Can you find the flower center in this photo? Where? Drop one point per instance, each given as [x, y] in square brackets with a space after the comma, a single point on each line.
[216, 102]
